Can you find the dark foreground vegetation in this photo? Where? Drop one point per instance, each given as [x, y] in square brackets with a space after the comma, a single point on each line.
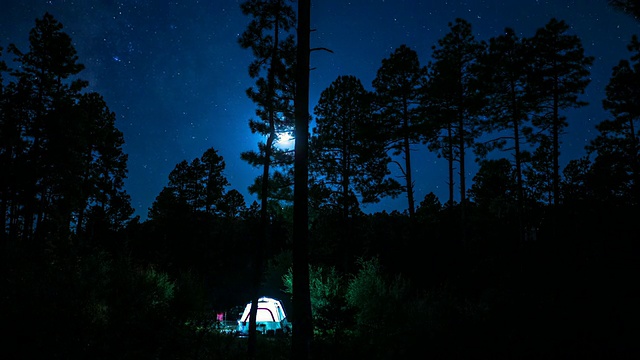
[531, 263]
[152, 290]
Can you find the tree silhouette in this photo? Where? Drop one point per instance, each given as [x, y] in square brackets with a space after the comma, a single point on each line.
[348, 160]
[561, 74]
[398, 86]
[303, 334]
[199, 184]
[504, 74]
[9, 134]
[233, 204]
[495, 187]
[631, 7]
[617, 146]
[539, 172]
[271, 20]
[215, 181]
[440, 126]
[451, 90]
[107, 165]
[43, 75]
[62, 147]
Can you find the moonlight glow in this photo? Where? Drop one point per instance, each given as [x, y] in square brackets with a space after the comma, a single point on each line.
[285, 141]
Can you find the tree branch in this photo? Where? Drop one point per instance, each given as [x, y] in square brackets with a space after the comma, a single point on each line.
[320, 48]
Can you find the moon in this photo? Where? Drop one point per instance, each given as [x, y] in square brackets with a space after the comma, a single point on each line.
[285, 141]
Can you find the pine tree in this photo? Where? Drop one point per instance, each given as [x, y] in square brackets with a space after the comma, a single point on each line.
[631, 7]
[452, 90]
[273, 46]
[504, 72]
[350, 162]
[399, 86]
[267, 37]
[303, 335]
[233, 204]
[495, 188]
[107, 169]
[201, 183]
[43, 76]
[618, 144]
[440, 126]
[538, 172]
[63, 146]
[561, 74]
[17, 178]
[9, 133]
[215, 183]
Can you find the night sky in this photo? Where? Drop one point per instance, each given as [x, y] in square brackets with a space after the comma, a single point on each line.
[175, 76]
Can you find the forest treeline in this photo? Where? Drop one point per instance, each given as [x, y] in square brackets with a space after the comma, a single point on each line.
[531, 261]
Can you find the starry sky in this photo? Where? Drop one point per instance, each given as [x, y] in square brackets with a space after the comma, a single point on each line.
[175, 76]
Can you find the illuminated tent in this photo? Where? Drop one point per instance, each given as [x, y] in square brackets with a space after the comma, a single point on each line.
[270, 318]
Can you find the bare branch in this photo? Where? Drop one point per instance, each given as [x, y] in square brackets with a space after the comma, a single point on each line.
[320, 48]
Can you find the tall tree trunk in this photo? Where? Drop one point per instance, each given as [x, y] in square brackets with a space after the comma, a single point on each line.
[520, 190]
[303, 329]
[345, 176]
[518, 158]
[263, 239]
[554, 154]
[463, 201]
[451, 161]
[635, 162]
[407, 159]
[259, 251]
[4, 201]
[556, 145]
